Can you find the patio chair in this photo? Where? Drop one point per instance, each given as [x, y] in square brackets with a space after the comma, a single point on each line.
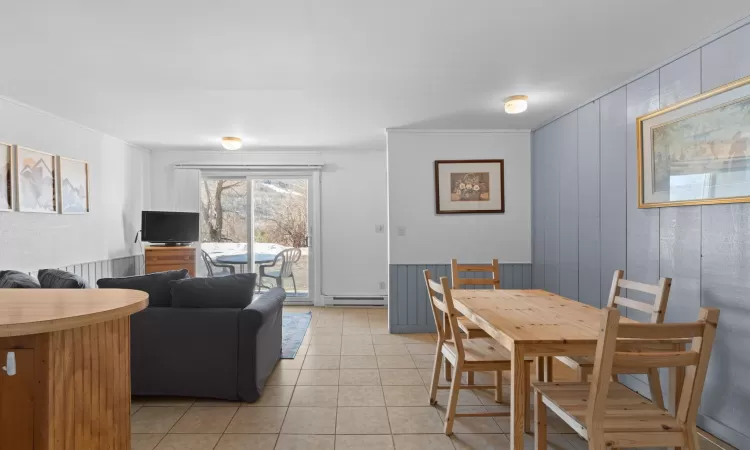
[210, 264]
[280, 268]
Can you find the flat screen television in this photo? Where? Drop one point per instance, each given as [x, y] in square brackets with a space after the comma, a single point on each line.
[171, 228]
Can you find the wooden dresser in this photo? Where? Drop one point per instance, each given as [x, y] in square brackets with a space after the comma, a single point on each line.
[69, 388]
[162, 258]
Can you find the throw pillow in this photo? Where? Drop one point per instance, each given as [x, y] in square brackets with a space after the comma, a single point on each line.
[60, 279]
[156, 285]
[17, 280]
[232, 291]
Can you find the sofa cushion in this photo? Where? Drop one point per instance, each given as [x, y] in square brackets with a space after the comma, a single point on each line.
[60, 279]
[232, 291]
[17, 280]
[155, 284]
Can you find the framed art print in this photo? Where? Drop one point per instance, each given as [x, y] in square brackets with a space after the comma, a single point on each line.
[696, 152]
[6, 178]
[35, 175]
[469, 186]
[74, 186]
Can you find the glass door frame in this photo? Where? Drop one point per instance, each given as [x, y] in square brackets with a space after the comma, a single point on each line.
[313, 226]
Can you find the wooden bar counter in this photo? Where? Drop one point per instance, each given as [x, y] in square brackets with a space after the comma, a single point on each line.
[71, 387]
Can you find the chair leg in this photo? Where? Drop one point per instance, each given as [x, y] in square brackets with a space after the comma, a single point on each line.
[498, 386]
[654, 382]
[450, 412]
[692, 441]
[540, 418]
[294, 283]
[260, 282]
[436, 373]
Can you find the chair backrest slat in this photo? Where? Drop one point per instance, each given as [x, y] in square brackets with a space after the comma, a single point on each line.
[657, 309]
[460, 283]
[628, 361]
[633, 359]
[444, 306]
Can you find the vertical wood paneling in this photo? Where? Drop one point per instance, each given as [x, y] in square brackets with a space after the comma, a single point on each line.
[725, 283]
[589, 275]
[568, 169]
[551, 179]
[612, 176]
[537, 216]
[642, 224]
[705, 250]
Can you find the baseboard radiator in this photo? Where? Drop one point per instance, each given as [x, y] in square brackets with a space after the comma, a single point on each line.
[362, 301]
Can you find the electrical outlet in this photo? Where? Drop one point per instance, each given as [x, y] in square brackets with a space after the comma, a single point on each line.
[380, 228]
[401, 231]
[382, 285]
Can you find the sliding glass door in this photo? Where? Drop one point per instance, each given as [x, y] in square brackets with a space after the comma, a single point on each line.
[280, 224]
[276, 210]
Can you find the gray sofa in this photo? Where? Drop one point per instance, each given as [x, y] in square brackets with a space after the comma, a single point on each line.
[221, 353]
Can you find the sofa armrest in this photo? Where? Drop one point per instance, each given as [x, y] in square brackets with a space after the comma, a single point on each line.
[259, 342]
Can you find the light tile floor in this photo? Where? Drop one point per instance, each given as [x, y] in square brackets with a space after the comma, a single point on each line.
[351, 386]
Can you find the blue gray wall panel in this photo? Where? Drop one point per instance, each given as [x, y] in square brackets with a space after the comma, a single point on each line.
[567, 141]
[612, 132]
[589, 240]
[409, 309]
[704, 249]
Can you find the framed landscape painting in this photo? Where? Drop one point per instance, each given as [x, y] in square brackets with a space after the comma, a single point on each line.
[74, 186]
[6, 177]
[469, 186]
[35, 174]
[696, 152]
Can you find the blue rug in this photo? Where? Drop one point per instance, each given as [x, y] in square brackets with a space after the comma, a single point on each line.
[293, 329]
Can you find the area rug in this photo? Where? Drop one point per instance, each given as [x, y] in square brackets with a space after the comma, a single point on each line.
[293, 328]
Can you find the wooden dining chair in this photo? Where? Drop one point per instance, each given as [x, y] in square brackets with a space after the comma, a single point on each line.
[608, 414]
[465, 355]
[467, 326]
[585, 364]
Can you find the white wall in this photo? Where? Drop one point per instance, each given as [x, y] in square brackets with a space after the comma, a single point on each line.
[353, 203]
[435, 239]
[118, 191]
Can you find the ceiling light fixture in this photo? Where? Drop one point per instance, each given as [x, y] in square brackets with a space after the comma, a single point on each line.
[516, 104]
[231, 143]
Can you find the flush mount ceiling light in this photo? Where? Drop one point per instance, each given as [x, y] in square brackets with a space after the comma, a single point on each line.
[516, 104]
[231, 143]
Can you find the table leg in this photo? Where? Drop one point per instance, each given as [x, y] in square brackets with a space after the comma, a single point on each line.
[519, 398]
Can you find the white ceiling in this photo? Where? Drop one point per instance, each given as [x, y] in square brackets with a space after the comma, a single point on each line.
[169, 74]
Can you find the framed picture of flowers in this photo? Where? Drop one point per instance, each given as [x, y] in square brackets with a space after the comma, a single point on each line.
[469, 186]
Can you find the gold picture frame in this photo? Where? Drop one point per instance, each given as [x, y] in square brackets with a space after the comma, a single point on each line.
[698, 150]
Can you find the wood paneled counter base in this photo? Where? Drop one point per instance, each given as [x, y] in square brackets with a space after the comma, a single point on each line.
[71, 387]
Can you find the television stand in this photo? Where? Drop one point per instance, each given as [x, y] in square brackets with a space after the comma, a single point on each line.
[160, 258]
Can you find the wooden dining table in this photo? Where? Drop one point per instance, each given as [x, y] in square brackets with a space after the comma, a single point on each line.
[543, 325]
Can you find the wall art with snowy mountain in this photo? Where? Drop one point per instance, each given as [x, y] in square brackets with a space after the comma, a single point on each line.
[6, 180]
[36, 181]
[74, 186]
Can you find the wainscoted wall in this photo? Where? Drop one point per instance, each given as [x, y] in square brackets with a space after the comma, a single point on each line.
[408, 307]
[586, 223]
[109, 268]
